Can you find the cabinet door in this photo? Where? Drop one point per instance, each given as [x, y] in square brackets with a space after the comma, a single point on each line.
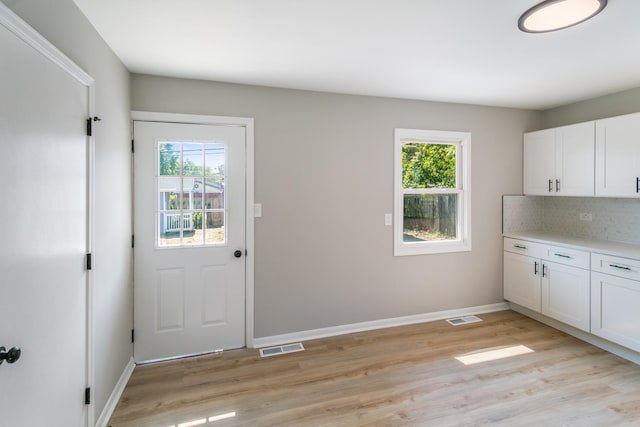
[615, 303]
[618, 156]
[539, 162]
[566, 294]
[522, 280]
[575, 156]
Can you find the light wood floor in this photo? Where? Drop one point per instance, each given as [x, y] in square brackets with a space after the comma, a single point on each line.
[405, 376]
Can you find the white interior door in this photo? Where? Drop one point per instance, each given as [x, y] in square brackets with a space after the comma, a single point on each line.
[44, 229]
[189, 254]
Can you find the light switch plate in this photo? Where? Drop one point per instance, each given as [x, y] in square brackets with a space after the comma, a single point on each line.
[257, 210]
[388, 219]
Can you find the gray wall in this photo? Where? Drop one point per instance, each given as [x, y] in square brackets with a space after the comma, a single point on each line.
[62, 23]
[324, 174]
[611, 105]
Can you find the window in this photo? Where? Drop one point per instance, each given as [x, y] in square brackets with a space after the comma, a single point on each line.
[432, 192]
[191, 196]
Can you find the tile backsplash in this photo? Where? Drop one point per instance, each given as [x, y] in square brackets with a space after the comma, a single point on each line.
[611, 219]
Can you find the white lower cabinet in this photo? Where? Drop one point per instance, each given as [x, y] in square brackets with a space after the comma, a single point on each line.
[566, 294]
[548, 279]
[615, 300]
[593, 292]
[522, 280]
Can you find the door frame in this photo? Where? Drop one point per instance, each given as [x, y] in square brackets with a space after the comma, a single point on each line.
[25, 32]
[247, 123]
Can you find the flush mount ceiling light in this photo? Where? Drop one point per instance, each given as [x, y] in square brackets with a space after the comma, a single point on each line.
[552, 15]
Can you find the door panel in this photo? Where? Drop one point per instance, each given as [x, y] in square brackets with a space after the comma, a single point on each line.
[618, 156]
[539, 162]
[44, 228]
[575, 157]
[189, 221]
[566, 295]
[522, 280]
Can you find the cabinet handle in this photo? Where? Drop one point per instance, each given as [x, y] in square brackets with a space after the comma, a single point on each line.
[543, 269]
[563, 256]
[557, 185]
[519, 246]
[535, 268]
[620, 267]
[550, 185]
[638, 184]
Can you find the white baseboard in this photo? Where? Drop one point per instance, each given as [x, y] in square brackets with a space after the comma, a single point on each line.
[616, 349]
[374, 324]
[113, 400]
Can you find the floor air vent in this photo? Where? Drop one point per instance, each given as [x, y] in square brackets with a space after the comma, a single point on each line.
[463, 320]
[281, 349]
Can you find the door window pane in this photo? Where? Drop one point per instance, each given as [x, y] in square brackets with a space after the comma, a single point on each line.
[214, 227]
[169, 159]
[214, 197]
[169, 193]
[214, 160]
[191, 197]
[192, 160]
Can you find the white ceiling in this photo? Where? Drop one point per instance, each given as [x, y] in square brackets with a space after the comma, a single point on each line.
[467, 51]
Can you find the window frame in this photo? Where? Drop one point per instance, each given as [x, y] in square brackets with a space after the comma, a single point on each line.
[182, 211]
[462, 140]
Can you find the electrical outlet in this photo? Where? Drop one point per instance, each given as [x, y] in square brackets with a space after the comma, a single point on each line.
[586, 217]
[388, 219]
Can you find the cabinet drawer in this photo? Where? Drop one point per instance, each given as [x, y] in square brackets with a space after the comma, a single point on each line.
[617, 266]
[567, 256]
[523, 247]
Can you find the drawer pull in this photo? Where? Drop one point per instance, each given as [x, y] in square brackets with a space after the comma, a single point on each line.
[543, 268]
[550, 185]
[535, 268]
[519, 246]
[619, 267]
[563, 256]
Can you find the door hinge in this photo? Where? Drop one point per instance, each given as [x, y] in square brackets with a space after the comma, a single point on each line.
[90, 121]
[133, 335]
[132, 146]
[87, 396]
[133, 241]
[88, 261]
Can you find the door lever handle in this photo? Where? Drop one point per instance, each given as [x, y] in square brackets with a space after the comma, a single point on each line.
[10, 356]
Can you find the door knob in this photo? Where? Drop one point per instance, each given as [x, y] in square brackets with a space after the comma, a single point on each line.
[237, 254]
[10, 356]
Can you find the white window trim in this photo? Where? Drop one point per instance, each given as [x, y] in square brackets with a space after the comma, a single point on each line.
[463, 140]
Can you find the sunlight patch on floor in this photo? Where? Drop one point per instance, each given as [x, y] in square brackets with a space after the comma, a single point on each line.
[487, 355]
[203, 421]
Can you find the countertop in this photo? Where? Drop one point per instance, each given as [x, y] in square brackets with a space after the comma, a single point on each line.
[606, 247]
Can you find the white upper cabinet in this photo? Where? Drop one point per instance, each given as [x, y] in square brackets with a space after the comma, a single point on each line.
[539, 161]
[560, 161]
[618, 156]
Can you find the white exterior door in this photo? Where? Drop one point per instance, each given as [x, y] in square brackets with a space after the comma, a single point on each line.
[189, 254]
[44, 224]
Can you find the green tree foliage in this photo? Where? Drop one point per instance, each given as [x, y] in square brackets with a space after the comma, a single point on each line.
[170, 163]
[169, 159]
[428, 165]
